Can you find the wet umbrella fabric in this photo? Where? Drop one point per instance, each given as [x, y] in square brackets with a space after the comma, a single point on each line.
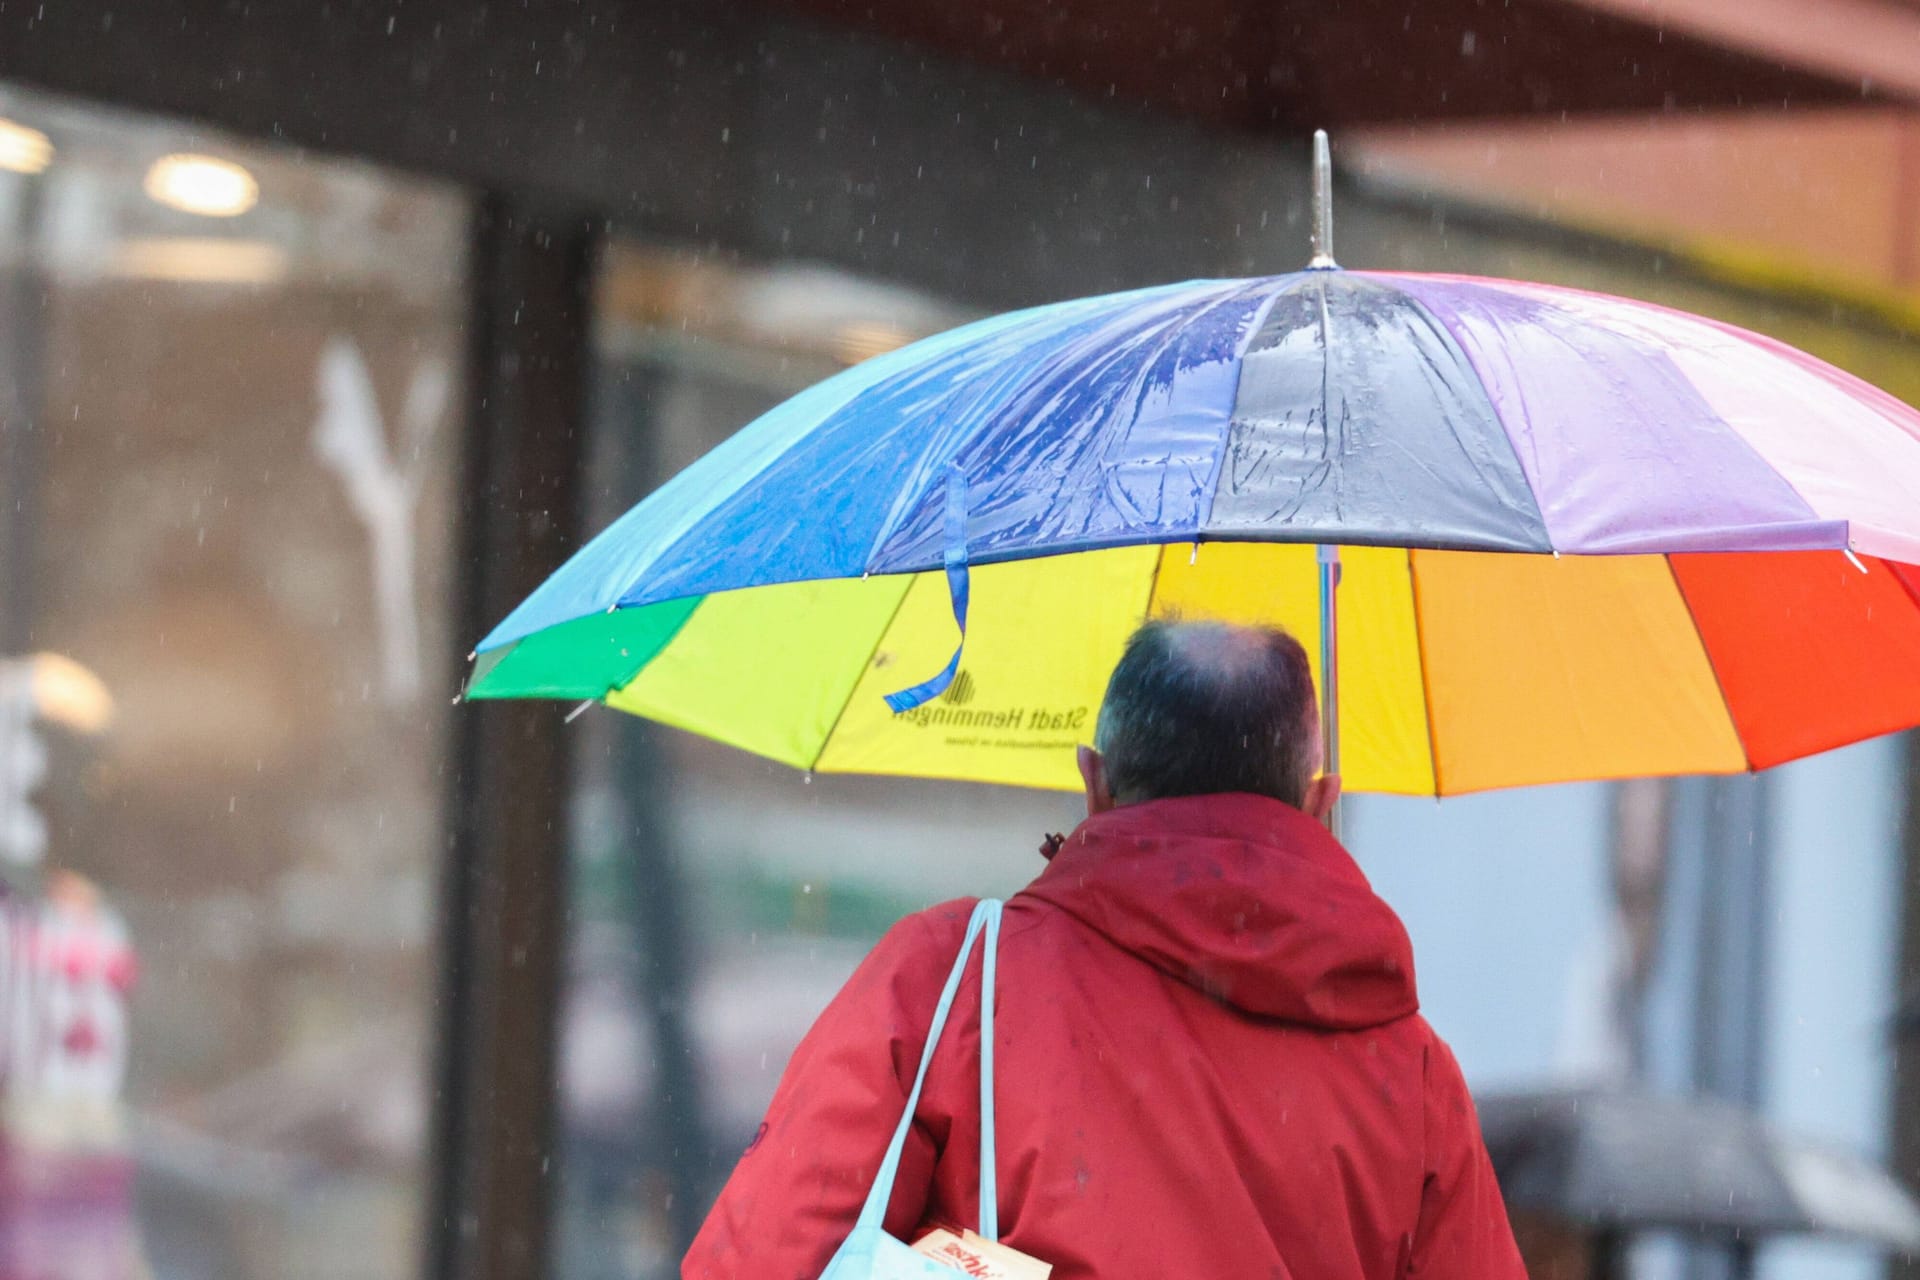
[1583, 537]
[1628, 1161]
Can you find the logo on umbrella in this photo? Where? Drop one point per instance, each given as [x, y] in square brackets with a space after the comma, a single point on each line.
[961, 691]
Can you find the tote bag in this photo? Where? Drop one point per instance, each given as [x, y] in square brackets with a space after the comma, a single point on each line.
[869, 1253]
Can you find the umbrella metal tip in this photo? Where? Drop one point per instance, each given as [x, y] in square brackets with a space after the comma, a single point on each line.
[1322, 259]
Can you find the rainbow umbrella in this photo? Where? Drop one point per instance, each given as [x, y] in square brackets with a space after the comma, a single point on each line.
[1574, 536]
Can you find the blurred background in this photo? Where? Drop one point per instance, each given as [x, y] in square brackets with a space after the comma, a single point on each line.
[327, 331]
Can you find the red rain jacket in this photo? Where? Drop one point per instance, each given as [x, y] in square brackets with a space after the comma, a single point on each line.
[1209, 1064]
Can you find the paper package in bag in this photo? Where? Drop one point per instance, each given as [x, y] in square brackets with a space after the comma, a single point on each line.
[983, 1259]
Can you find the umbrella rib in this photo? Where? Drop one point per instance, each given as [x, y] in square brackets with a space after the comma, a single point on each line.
[1218, 465]
[1707, 655]
[1911, 587]
[1328, 443]
[969, 394]
[1426, 683]
[1153, 578]
[879, 639]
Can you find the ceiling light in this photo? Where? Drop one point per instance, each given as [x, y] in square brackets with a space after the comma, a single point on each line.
[23, 150]
[201, 260]
[68, 694]
[205, 185]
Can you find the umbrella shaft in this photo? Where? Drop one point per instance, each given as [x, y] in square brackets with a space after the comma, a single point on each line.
[1329, 557]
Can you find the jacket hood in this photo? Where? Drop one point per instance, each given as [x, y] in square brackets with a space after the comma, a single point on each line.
[1244, 897]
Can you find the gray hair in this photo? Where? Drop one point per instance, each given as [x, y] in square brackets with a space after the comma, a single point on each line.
[1198, 708]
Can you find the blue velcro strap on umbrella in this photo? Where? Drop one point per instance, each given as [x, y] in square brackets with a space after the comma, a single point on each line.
[957, 587]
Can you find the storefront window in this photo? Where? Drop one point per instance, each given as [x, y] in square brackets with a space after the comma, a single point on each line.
[228, 377]
[720, 900]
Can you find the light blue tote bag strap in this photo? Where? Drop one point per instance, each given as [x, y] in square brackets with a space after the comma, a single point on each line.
[989, 1189]
[986, 918]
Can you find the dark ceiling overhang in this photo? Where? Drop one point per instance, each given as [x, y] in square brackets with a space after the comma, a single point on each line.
[1294, 64]
[693, 116]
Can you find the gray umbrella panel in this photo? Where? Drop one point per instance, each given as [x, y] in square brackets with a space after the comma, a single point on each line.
[1627, 1160]
[1871, 1207]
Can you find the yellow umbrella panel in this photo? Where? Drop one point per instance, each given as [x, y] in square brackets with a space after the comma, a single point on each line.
[1459, 671]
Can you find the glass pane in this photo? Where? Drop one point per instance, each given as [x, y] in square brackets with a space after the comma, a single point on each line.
[720, 900]
[229, 377]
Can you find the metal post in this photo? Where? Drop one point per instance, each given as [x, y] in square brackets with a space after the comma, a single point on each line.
[1641, 841]
[1329, 560]
[1734, 929]
[662, 914]
[1735, 939]
[24, 320]
[1607, 1255]
[1906, 1046]
[504, 877]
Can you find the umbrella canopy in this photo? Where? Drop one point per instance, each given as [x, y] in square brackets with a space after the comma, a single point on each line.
[1583, 537]
[1630, 1161]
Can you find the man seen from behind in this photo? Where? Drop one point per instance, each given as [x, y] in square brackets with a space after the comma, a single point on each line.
[1210, 1058]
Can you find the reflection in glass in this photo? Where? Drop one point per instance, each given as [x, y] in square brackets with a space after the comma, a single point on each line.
[228, 442]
